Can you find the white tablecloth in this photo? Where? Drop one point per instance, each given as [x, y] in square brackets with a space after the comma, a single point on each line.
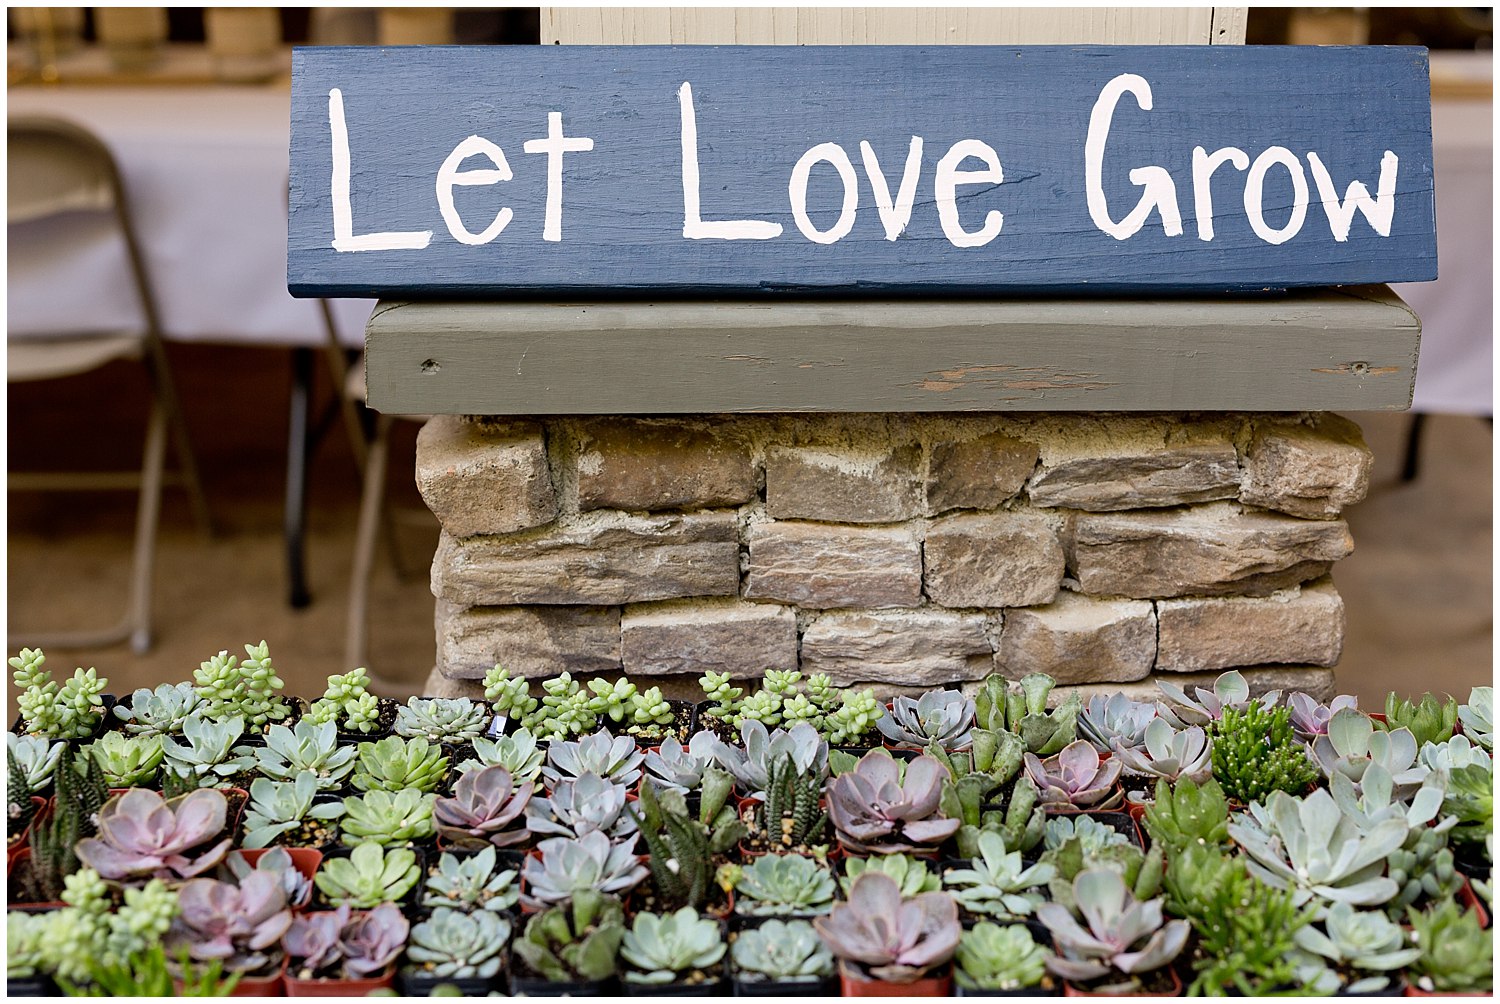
[205, 168]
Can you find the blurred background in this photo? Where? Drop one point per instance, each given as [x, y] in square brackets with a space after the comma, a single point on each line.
[192, 102]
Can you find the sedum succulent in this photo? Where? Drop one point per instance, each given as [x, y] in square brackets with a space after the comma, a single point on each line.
[1429, 720]
[393, 764]
[781, 952]
[246, 689]
[1477, 717]
[680, 767]
[344, 945]
[665, 948]
[995, 957]
[306, 747]
[207, 755]
[1123, 939]
[127, 761]
[564, 710]
[485, 809]
[348, 704]
[369, 876]
[473, 882]
[385, 817]
[599, 753]
[780, 884]
[650, 714]
[509, 698]
[1254, 754]
[880, 935]
[239, 925]
[1168, 754]
[1309, 719]
[612, 700]
[278, 808]
[943, 717]
[997, 884]
[566, 866]
[456, 945]
[1076, 777]
[581, 805]
[911, 874]
[1353, 743]
[1021, 708]
[518, 753]
[1188, 814]
[142, 836]
[1457, 954]
[1106, 721]
[26, 936]
[575, 941]
[36, 757]
[72, 710]
[1361, 941]
[1230, 690]
[857, 714]
[442, 719]
[879, 808]
[162, 711]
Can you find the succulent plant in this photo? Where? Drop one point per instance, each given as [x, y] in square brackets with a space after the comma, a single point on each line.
[1456, 752]
[280, 807]
[857, 714]
[1076, 777]
[1086, 851]
[80, 796]
[141, 836]
[779, 884]
[1022, 708]
[278, 862]
[26, 937]
[791, 814]
[1168, 754]
[127, 761]
[241, 926]
[1308, 845]
[474, 882]
[207, 755]
[20, 809]
[995, 957]
[751, 764]
[882, 936]
[347, 703]
[230, 688]
[1470, 797]
[91, 931]
[518, 753]
[581, 805]
[1188, 814]
[564, 710]
[724, 697]
[938, 716]
[485, 809]
[509, 698]
[1457, 954]
[162, 711]
[911, 874]
[575, 941]
[879, 808]
[612, 700]
[1093, 836]
[1423, 865]
[979, 778]
[1310, 719]
[683, 847]
[1353, 743]
[997, 884]
[306, 747]
[459, 945]
[599, 753]
[1477, 717]
[70, 711]
[442, 719]
[565, 866]
[386, 817]
[1362, 941]
[393, 764]
[680, 767]
[1124, 938]
[1429, 720]
[343, 945]
[369, 876]
[1116, 718]
[781, 952]
[36, 757]
[1254, 754]
[663, 948]
[1230, 690]
[650, 714]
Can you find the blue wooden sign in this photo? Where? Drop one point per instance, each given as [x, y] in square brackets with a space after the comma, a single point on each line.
[525, 171]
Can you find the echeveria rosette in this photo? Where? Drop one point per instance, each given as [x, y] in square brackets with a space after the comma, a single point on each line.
[240, 926]
[1168, 754]
[1106, 721]
[143, 836]
[1076, 777]
[885, 937]
[1124, 937]
[1230, 690]
[875, 810]
[483, 810]
[1310, 719]
[582, 805]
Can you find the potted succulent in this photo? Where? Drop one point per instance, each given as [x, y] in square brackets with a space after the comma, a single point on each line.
[581, 805]
[471, 880]
[486, 808]
[22, 807]
[308, 747]
[995, 960]
[1254, 753]
[37, 872]
[889, 945]
[73, 710]
[464, 949]
[1107, 721]
[26, 934]
[455, 721]
[289, 813]
[163, 711]
[141, 835]
[519, 752]
[912, 875]
[238, 925]
[679, 767]
[248, 689]
[571, 949]
[609, 756]
[781, 959]
[941, 717]
[387, 818]
[783, 885]
[358, 715]
[1456, 954]
[677, 954]
[1429, 720]
[1075, 779]
[1186, 813]
[685, 847]
[36, 757]
[1126, 947]
[1021, 708]
[294, 867]
[884, 806]
[1360, 952]
[341, 953]
[207, 756]
[368, 876]
[563, 867]
[997, 884]
[1309, 719]
[395, 764]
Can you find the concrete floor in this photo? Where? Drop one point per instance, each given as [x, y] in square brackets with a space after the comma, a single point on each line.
[1418, 588]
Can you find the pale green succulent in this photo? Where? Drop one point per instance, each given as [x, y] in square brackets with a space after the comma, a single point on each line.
[26, 937]
[663, 948]
[1360, 940]
[459, 945]
[207, 754]
[395, 763]
[724, 697]
[650, 713]
[160, 711]
[510, 698]
[857, 714]
[70, 711]
[1093, 835]
[1169, 754]
[995, 957]
[441, 719]
[36, 756]
[1021, 708]
[278, 807]
[474, 882]
[564, 710]
[781, 884]
[1120, 938]
[127, 761]
[248, 689]
[763, 706]
[387, 817]
[680, 767]
[1352, 744]
[90, 931]
[612, 700]
[1422, 867]
[1477, 718]
[347, 698]
[369, 876]
[1452, 754]
[609, 756]
[566, 866]
[911, 874]
[997, 884]
[1429, 720]
[305, 747]
[781, 952]
[518, 753]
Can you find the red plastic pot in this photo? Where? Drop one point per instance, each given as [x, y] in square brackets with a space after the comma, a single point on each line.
[39, 815]
[851, 984]
[1072, 990]
[250, 986]
[339, 988]
[1468, 898]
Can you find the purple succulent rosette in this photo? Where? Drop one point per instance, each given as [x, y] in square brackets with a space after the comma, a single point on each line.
[885, 937]
[1076, 777]
[143, 836]
[877, 811]
[485, 803]
[241, 926]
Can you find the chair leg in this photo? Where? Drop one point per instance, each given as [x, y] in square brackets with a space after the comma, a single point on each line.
[371, 501]
[148, 519]
[1413, 447]
[295, 514]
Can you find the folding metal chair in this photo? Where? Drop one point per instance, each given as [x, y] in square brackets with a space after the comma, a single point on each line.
[55, 168]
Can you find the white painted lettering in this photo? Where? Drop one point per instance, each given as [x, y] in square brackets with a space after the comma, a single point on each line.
[1254, 190]
[797, 192]
[694, 227]
[1378, 211]
[344, 238]
[894, 216]
[450, 176]
[554, 146]
[1160, 193]
[1204, 166]
[949, 177]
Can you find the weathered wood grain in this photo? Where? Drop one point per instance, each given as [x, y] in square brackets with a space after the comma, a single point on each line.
[1351, 349]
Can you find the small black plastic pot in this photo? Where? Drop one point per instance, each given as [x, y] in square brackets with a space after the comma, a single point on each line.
[959, 991]
[31, 986]
[828, 987]
[415, 984]
[406, 903]
[107, 721]
[708, 988]
[535, 986]
[1396, 988]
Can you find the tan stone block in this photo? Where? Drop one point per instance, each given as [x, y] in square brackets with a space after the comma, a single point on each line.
[979, 473]
[1210, 550]
[529, 641]
[1079, 639]
[481, 476]
[914, 648]
[1301, 626]
[638, 465]
[1167, 477]
[998, 560]
[602, 559]
[820, 566]
[826, 484]
[692, 637]
[1312, 471]
[1313, 680]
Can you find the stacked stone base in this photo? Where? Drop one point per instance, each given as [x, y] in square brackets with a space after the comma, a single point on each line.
[895, 551]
